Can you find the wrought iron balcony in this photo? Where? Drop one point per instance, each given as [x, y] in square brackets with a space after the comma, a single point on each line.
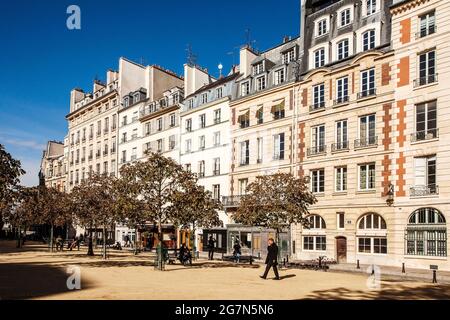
[278, 156]
[423, 191]
[340, 146]
[216, 172]
[367, 93]
[341, 100]
[321, 149]
[317, 106]
[365, 143]
[422, 81]
[425, 135]
[231, 201]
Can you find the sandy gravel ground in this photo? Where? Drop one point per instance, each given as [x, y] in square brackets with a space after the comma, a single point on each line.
[34, 273]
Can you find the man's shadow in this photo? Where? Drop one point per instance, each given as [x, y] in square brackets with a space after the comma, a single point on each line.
[287, 276]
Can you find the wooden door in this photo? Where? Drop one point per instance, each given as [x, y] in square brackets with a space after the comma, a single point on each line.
[341, 250]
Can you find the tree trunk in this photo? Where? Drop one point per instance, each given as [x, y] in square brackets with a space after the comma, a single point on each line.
[194, 249]
[104, 243]
[135, 240]
[160, 246]
[90, 247]
[19, 236]
[51, 238]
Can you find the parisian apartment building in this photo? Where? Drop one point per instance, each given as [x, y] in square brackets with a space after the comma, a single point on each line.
[356, 104]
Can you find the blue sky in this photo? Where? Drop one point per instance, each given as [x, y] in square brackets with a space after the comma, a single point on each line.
[41, 60]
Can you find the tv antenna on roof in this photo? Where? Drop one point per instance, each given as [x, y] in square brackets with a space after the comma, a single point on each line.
[191, 57]
[248, 38]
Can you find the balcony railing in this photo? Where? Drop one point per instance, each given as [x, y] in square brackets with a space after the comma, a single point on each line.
[113, 151]
[97, 155]
[83, 160]
[90, 157]
[91, 137]
[340, 146]
[426, 32]
[341, 100]
[425, 135]
[365, 143]
[216, 172]
[422, 81]
[83, 139]
[321, 149]
[367, 93]
[105, 131]
[423, 191]
[201, 174]
[278, 156]
[317, 106]
[105, 153]
[244, 162]
[231, 201]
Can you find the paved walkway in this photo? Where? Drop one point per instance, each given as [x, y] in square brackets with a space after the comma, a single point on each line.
[396, 272]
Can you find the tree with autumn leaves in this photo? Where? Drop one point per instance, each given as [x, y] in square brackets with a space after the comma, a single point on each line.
[275, 202]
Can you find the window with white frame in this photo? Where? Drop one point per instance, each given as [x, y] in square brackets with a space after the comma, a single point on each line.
[191, 103]
[245, 88]
[342, 90]
[288, 56]
[217, 116]
[322, 27]
[219, 92]
[201, 142]
[188, 124]
[188, 145]
[245, 152]
[426, 233]
[278, 146]
[315, 222]
[371, 7]
[340, 220]
[243, 183]
[216, 138]
[366, 176]
[173, 120]
[343, 49]
[318, 181]
[367, 83]
[260, 143]
[427, 24]
[204, 98]
[424, 176]
[317, 139]
[314, 243]
[368, 40]
[216, 166]
[216, 192]
[427, 68]
[367, 131]
[341, 135]
[160, 146]
[258, 68]
[172, 142]
[319, 58]
[201, 168]
[278, 76]
[202, 121]
[345, 17]
[159, 124]
[426, 122]
[340, 179]
[260, 83]
[372, 234]
[319, 96]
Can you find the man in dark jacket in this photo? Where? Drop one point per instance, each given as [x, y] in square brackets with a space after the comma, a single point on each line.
[211, 245]
[272, 259]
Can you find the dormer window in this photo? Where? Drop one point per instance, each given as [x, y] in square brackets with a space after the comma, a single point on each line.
[260, 83]
[288, 56]
[368, 40]
[322, 27]
[176, 98]
[245, 88]
[204, 98]
[219, 92]
[371, 6]
[136, 98]
[258, 68]
[279, 76]
[345, 17]
[191, 103]
[126, 102]
[162, 103]
[343, 49]
[319, 58]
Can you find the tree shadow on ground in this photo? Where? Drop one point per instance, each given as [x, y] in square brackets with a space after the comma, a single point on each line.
[29, 280]
[10, 247]
[390, 290]
[210, 264]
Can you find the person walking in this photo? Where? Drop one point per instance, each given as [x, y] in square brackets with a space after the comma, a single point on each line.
[237, 252]
[271, 259]
[211, 246]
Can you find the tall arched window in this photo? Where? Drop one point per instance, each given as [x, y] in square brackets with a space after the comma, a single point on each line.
[371, 234]
[426, 233]
[314, 237]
